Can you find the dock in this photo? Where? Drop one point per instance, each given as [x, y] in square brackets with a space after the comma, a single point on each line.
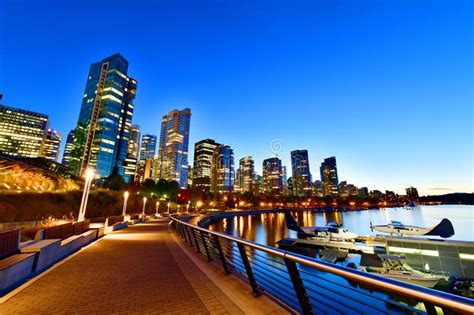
[289, 243]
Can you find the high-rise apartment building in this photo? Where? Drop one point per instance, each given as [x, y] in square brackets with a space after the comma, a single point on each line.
[147, 155]
[22, 132]
[272, 176]
[202, 167]
[246, 174]
[133, 153]
[105, 119]
[51, 145]
[222, 177]
[329, 178]
[301, 173]
[68, 148]
[173, 146]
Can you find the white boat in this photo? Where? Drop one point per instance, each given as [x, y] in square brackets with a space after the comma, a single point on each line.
[331, 231]
[444, 229]
[395, 267]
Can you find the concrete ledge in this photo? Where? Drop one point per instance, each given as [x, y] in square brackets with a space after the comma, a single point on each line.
[15, 268]
[70, 245]
[88, 237]
[115, 227]
[47, 251]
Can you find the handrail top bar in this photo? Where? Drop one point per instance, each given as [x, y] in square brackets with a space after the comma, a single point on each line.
[457, 303]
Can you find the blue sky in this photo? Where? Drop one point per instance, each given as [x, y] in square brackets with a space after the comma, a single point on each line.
[385, 86]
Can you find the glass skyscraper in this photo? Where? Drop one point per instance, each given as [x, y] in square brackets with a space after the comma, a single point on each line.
[301, 173]
[51, 145]
[329, 176]
[222, 178]
[22, 132]
[105, 119]
[68, 148]
[173, 146]
[272, 176]
[202, 168]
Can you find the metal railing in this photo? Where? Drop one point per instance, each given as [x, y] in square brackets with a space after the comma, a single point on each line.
[311, 286]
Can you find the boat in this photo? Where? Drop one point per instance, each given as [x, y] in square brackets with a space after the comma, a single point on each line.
[395, 267]
[444, 229]
[331, 231]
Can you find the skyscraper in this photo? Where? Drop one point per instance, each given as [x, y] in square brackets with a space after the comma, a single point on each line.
[272, 176]
[202, 167]
[22, 132]
[222, 178]
[173, 146]
[246, 174]
[51, 145]
[301, 173]
[103, 128]
[147, 154]
[68, 148]
[329, 176]
[133, 153]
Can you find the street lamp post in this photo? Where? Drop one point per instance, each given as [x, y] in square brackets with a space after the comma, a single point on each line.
[144, 204]
[85, 195]
[125, 199]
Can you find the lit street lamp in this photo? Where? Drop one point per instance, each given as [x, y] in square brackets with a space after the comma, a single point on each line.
[144, 204]
[125, 199]
[85, 194]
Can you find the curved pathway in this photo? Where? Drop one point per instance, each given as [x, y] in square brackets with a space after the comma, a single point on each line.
[139, 270]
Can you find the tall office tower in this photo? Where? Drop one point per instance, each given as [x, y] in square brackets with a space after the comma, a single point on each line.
[284, 180]
[329, 176]
[147, 155]
[301, 173]
[202, 167]
[246, 174]
[51, 145]
[68, 148]
[173, 147]
[133, 154]
[318, 189]
[103, 128]
[222, 176]
[272, 176]
[22, 132]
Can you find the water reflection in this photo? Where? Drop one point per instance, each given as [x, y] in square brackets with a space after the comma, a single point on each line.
[269, 228]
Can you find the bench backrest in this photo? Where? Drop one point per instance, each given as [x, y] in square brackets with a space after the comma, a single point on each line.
[9, 243]
[61, 231]
[116, 219]
[81, 227]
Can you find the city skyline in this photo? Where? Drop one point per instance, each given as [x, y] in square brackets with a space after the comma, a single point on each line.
[403, 140]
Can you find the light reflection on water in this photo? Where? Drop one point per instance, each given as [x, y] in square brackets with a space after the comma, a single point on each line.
[269, 228]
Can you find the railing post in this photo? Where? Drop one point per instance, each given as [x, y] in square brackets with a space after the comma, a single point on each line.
[189, 236]
[256, 290]
[299, 287]
[195, 240]
[221, 254]
[204, 242]
[179, 228]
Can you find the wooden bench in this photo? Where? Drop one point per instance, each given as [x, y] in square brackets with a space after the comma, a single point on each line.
[14, 266]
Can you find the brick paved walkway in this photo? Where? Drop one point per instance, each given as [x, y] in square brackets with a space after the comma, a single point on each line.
[139, 270]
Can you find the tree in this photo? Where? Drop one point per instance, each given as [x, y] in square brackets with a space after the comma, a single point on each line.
[114, 182]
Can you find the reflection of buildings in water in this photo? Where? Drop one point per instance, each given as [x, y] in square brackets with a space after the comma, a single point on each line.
[334, 216]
